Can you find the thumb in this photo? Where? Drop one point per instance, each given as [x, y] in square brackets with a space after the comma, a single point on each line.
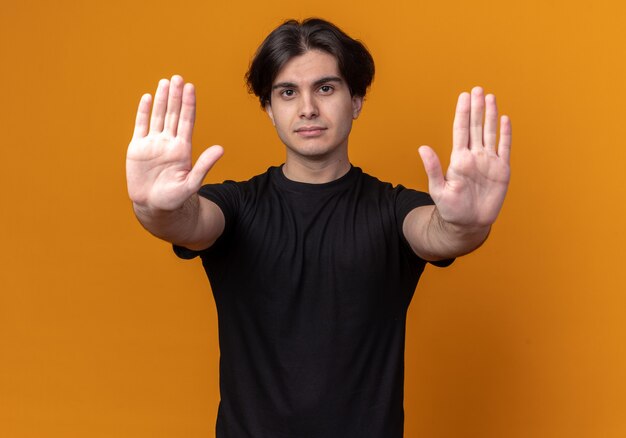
[432, 166]
[205, 162]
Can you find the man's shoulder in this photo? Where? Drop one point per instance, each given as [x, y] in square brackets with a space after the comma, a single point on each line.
[374, 180]
[244, 184]
[381, 184]
[399, 194]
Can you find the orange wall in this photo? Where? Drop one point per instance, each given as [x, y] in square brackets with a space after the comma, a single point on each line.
[104, 333]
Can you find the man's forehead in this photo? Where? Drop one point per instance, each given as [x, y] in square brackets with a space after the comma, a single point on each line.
[311, 66]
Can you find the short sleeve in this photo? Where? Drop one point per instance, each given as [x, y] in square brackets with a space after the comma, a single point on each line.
[407, 200]
[227, 197]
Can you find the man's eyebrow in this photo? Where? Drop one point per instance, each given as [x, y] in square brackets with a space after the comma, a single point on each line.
[316, 83]
[327, 79]
[284, 85]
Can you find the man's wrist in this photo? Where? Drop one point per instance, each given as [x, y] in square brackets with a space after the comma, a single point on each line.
[151, 211]
[460, 238]
[170, 225]
[458, 228]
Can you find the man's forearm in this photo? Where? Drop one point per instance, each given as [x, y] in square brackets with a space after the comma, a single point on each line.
[177, 226]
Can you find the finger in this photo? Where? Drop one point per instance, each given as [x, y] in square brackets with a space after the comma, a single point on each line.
[188, 113]
[143, 117]
[205, 162]
[174, 101]
[460, 128]
[477, 112]
[432, 167]
[491, 123]
[160, 105]
[504, 147]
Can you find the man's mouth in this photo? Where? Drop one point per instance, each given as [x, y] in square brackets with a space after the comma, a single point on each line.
[310, 131]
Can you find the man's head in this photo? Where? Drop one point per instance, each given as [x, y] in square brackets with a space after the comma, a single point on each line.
[292, 39]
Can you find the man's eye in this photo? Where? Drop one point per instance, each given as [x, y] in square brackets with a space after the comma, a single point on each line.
[288, 93]
[326, 88]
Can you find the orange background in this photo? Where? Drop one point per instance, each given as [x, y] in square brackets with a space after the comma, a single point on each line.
[104, 333]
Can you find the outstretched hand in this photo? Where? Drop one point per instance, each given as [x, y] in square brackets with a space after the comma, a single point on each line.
[472, 191]
[159, 169]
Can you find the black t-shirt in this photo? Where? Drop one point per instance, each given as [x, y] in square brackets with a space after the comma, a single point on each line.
[312, 283]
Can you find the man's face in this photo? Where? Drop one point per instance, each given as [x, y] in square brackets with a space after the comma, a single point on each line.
[311, 106]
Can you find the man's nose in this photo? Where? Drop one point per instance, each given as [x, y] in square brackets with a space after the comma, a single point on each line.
[308, 106]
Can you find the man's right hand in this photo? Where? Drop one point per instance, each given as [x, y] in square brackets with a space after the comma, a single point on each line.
[159, 172]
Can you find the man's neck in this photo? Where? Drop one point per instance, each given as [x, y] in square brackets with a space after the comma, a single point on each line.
[310, 171]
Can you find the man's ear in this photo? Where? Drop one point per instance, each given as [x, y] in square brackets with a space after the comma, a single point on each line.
[268, 110]
[357, 104]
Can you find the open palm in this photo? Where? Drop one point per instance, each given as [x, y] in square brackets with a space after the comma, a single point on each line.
[473, 189]
[159, 167]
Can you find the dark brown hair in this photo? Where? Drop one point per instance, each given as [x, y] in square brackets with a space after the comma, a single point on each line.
[292, 39]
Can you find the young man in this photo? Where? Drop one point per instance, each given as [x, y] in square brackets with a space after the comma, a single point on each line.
[313, 263]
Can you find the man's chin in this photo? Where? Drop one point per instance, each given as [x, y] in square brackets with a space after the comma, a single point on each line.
[312, 152]
[315, 150]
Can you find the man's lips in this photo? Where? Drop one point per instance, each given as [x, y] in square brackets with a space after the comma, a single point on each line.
[310, 131]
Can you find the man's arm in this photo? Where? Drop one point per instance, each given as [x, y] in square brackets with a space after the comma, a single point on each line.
[470, 195]
[162, 183]
[196, 225]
